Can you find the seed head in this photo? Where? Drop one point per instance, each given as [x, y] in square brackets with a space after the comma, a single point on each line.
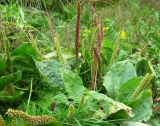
[77, 31]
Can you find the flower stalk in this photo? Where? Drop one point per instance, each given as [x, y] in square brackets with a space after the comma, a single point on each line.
[143, 85]
[99, 62]
[67, 38]
[70, 113]
[77, 30]
[93, 70]
[114, 53]
[95, 20]
[2, 122]
[33, 42]
[34, 120]
[50, 27]
[58, 49]
[55, 39]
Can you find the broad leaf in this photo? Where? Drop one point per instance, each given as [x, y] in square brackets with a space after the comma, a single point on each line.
[25, 50]
[23, 56]
[127, 89]
[143, 67]
[61, 102]
[134, 124]
[50, 72]
[142, 106]
[49, 102]
[119, 73]
[61, 98]
[10, 78]
[12, 98]
[106, 51]
[73, 84]
[96, 101]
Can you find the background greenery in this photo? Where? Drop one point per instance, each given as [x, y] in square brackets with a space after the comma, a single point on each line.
[40, 75]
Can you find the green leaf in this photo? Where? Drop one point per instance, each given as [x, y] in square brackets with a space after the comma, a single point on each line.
[106, 43]
[54, 123]
[142, 106]
[12, 98]
[22, 57]
[95, 101]
[62, 104]
[50, 72]
[10, 78]
[25, 49]
[106, 50]
[73, 84]
[143, 67]
[127, 89]
[61, 98]
[3, 64]
[134, 124]
[119, 73]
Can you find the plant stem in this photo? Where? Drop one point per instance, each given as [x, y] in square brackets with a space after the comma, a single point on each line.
[114, 51]
[98, 58]
[94, 37]
[77, 30]
[50, 28]
[30, 93]
[58, 49]
[35, 46]
[67, 38]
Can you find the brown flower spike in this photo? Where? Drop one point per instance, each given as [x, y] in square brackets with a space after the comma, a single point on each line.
[77, 31]
[98, 58]
[100, 34]
[2, 123]
[95, 20]
[35, 120]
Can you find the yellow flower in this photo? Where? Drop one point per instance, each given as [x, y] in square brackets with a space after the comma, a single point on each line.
[123, 34]
[105, 28]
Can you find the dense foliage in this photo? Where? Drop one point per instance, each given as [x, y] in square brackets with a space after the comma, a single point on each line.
[81, 63]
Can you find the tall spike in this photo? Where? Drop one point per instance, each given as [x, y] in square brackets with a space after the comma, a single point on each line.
[50, 27]
[35, 120]
[93, 66]
[92, 85]
[101, 28]
[2, 122]
[100, 34]
[95, 20]
[77, 31]
[98, 58]
[67, 38]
